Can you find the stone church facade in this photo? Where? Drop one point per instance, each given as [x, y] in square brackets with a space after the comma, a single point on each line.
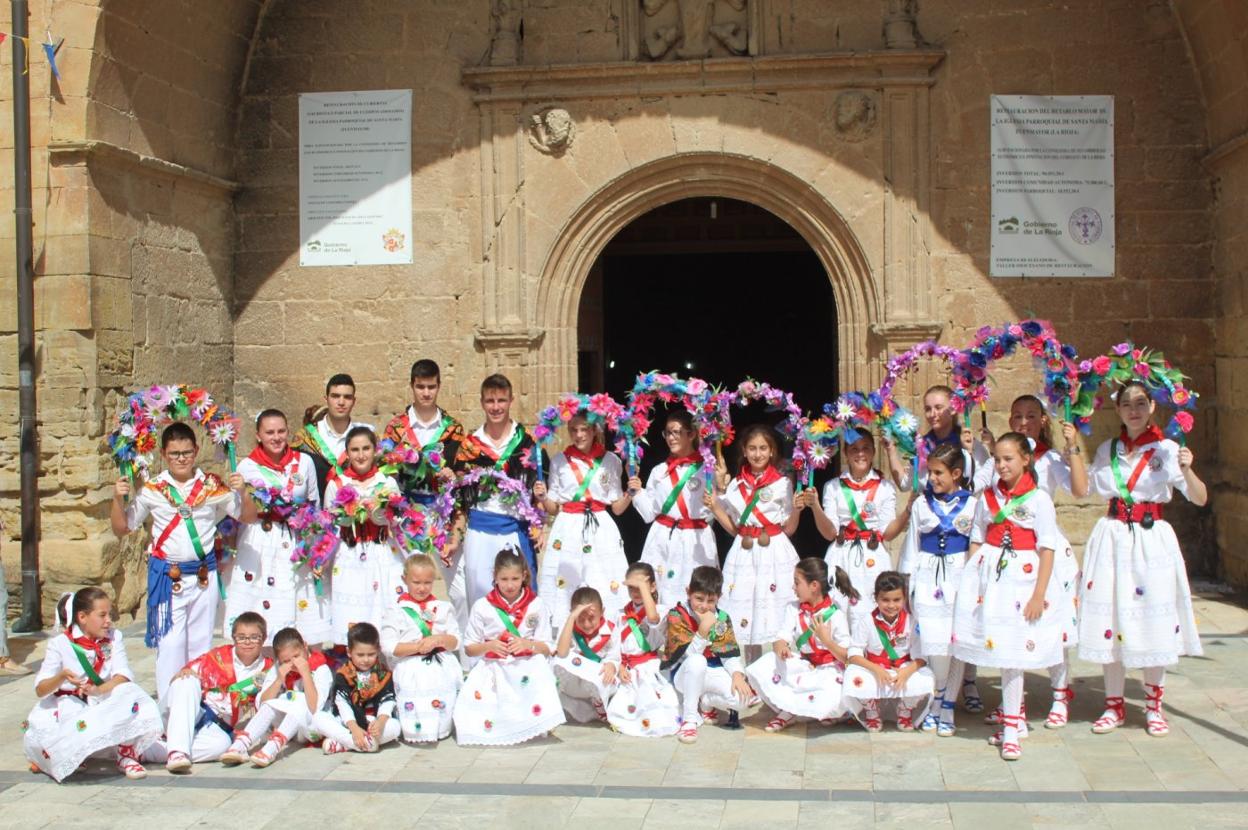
[166, 181]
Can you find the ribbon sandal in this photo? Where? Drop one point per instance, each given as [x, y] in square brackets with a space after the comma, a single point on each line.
[1155, 721]
[1115, 716]
[1059, 714]
[779, 722]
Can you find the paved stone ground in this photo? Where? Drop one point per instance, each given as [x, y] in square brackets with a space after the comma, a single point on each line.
[807, 776]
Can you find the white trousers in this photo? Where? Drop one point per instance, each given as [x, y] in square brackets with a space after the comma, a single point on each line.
[700, 684]
[207, 744]
[327, 724]
[295, 725]
[193, 616]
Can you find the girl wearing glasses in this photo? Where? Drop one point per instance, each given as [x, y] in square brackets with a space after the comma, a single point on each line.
[185, 504]
[680, 537]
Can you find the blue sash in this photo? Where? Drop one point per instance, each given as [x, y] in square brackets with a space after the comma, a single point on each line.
[208, 717]
[422, 498]
[500, 524]
[945, 539]
[160, 594]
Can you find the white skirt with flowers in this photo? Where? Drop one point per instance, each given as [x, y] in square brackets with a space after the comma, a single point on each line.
[797, 686]
[425, 690]
[647, 706]
[63, 731]
[508, 701]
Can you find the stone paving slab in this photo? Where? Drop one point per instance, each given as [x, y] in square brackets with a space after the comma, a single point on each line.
[809, 775]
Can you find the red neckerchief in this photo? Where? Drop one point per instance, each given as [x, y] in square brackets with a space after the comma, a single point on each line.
[811, 610]
[261, 457]
[315, 661]
[421, 603]
[871, 482]
[1041, 449]
[635, 612]
[603, 637]
[588, 458]
[96, 647]
[516, 610]
[673, 462]
[1025, 482]
[349, 472]
[756, 483]
[490, 450]
[895, 629]
[1149, 436]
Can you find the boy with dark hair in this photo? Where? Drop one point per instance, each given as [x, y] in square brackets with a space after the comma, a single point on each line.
[211, 696]
[325, 427]
[185, 505]
[703, 656]
[426, 429]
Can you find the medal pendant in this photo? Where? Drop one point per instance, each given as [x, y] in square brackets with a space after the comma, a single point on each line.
[176, 587]
[184, 511]
[873, 543]
[201, 576]
[746, 543]
[175, 572]
[764, 539]
[1147, 521]
[267, 525]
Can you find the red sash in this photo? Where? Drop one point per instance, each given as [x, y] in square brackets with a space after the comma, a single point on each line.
[158, 549]
[893, 632]
[216, 674]
[818, 655]
[1135, 513]
[1021, 538]
[672, 465]
[682, 524]
[587, 506]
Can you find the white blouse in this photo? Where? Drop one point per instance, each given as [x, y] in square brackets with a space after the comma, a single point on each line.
[605, 486]
[397, 627]
[210, 509]
[484, 624]
[775, 502]
[1156, 484]
[878, 513]
[660, 484]
[61, 655]
[1037, 514]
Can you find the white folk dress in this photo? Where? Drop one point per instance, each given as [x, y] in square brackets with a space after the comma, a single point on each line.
[264, 579]
[65, 728]
[809, 683]
[1053, 476]
[1135, 600]
[758, 583]
[989, 628]
[579, 674]
[861, 687]
[584, 545]
[681, 537]
[647, 705]
[367, 574]
[425, 685]
[937, 569]
[507, 699]
[859, 549]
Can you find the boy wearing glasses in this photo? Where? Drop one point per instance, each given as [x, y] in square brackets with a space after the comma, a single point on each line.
[680, 538]
[185, 505]
[211, 696]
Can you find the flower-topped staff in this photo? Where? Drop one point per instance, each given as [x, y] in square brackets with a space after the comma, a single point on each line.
[1127, 362]
[134, 440]
[600, 410]
[896, 423]
[709, 411]
[488, 481]
[316, 540]
[1059, 362]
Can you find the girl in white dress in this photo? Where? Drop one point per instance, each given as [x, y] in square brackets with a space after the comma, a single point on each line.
[587, 658]
[419, 636]
[680, 538]
[1055, 471]
[939, 522]
[757, 508]
[87, 702]
[943, 429]
[510, 695]
[1008, 612]
[1135, 601]
[645, 703]
[584, 545]
[885, 662]
[856, 511]
[263, 578]
[367, 570]
[803, 672]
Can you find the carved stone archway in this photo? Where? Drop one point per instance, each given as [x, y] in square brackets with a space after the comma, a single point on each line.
[689, 175]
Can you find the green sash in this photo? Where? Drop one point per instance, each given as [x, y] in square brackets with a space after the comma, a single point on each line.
[822, 617]
[887, 643]
[87, 668]
[247, 687]
[585, 647]
[1124, 487]
[510, 448]
[507, 623]
[425, 630]
[1006, 510]
[680, 485]
[191, 530]
[323, 446]
[588, 479]
[639, 635]
[848, 492]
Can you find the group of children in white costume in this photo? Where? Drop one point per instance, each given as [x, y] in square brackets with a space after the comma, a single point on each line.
[653, 649]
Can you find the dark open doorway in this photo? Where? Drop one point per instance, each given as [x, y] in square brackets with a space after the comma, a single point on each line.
[718, 289]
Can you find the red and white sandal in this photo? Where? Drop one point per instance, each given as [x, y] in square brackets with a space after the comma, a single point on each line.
[1115, 715]
[1155, 722]
[905, 719]
[237, 753]
[779, 722]
[1059, 713]
[178, 762]
[128, 763]
[687, 734]
[331, 747]
[1011, 752]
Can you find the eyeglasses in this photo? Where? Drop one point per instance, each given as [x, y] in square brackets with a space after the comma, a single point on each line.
[249, 638]
[181, 455]
[674, 433]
